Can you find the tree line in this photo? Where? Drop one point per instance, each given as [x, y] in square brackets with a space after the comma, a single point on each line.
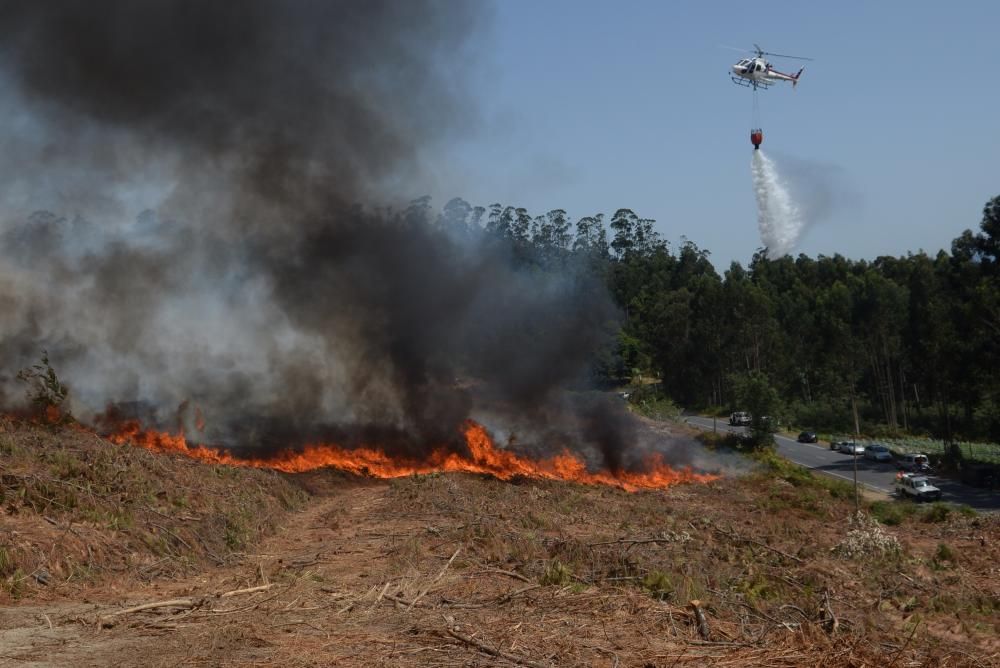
[912, 341]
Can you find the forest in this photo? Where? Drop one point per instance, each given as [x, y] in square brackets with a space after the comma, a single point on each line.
[913, 342]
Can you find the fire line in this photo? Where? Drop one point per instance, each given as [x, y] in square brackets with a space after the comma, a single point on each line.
[484, 458]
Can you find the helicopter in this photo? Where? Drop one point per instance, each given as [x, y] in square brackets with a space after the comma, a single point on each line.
[758, 73]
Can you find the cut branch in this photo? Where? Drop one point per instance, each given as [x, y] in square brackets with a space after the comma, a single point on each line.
[249, 590]
[183, 603]
[483, 647]
[830, 621]
[434, 581]
[702, 621]
[736, 536]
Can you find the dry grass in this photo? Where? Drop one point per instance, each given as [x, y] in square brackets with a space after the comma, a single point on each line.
[78, 509]
[461, 570]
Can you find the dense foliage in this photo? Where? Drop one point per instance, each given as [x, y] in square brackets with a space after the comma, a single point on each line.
[912, 341]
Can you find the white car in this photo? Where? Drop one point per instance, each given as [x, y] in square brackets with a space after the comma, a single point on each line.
[917, 487]
[878, 452]
[852, 448]
[739, 419]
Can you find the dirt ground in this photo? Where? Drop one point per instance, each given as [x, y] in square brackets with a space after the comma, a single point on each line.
[462, 570]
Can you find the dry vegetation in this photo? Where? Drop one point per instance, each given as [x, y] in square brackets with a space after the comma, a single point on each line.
[461, 570]
[78, 510]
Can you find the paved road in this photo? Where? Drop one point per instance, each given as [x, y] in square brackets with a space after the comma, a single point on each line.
[875, 476]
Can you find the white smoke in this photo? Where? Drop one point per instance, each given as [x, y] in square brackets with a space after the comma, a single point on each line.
[778, 217]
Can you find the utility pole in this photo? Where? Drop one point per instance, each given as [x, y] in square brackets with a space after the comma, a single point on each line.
[854, 453]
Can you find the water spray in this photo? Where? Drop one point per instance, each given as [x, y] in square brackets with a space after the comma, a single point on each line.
[778, 217]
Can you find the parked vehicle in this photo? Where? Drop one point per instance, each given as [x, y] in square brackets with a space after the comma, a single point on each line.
[808, 437]
[739, 419]
[878, 452]
[851, 448]
[915, 463]
[917, 487]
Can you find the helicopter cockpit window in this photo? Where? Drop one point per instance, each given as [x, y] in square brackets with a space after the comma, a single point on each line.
[759, 68]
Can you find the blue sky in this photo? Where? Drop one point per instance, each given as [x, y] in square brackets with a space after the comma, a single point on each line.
[891, 140]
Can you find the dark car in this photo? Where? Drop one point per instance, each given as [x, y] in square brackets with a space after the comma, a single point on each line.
[807, 437]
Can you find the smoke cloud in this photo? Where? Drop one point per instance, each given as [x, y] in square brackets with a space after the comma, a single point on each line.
[254, 292]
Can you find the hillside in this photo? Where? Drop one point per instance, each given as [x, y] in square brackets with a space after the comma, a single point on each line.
[239, 566]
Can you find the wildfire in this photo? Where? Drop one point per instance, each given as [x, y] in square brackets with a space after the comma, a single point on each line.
[484, 457]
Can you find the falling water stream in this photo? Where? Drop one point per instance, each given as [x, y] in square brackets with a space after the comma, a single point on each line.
[778, 218]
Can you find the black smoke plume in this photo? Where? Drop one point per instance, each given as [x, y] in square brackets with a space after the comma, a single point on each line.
[254, 290]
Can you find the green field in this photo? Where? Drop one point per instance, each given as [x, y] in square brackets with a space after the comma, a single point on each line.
[984, 452]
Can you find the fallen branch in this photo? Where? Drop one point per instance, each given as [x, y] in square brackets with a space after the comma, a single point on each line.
[736, 536]
[912, 581]
[500, 600]
[764, 615]
[218, 560]
[517, 592]
[255, 604]
[797, 609]
[249, 590]
[830, 621]
[183, 603]
[511, 574]
[403, 601]
[434, 581]
[895, 657]
[632, 541]
[483, 647]
[465, 606]
[718, 643]
[165, 529]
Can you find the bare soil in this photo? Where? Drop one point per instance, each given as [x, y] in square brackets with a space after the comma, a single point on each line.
[462, 570]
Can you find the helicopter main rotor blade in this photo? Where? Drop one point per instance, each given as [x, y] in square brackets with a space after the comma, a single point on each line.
[778, 55]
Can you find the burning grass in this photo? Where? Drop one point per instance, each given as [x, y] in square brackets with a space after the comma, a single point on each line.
[482, 456]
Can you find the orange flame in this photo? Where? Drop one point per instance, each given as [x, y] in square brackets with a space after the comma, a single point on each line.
[484, 457]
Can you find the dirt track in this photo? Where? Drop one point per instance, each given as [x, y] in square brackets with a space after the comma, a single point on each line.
[319, 545]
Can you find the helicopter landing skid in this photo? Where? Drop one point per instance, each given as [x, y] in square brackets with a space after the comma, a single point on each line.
[749, 83]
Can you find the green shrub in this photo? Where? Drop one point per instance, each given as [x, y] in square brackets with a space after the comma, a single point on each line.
[45, 389]
[7, 565]
[556, 573]
[964, 510]
[658, 584]
[938, 512]
[944, 553]
[651, 402]
[892, 513]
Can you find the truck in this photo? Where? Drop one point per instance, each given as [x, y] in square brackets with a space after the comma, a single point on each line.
[916, 487]
[739, 419]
